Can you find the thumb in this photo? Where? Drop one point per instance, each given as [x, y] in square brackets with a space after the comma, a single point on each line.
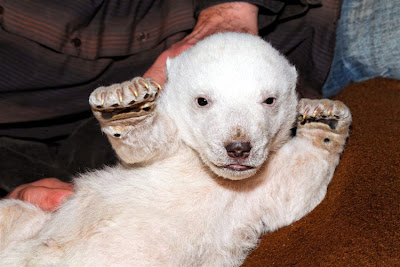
[56, 197]
[44, 197]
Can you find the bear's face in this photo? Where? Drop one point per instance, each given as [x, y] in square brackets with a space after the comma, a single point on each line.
[232, 97]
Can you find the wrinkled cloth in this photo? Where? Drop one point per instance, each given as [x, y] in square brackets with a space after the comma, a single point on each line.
[368, 44]
[55, 53]
[25, 161]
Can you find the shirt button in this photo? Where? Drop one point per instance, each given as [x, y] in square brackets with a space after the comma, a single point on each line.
[142, 36]
[76, 42]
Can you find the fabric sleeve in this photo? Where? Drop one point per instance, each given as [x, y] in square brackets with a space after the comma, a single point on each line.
[269, 10]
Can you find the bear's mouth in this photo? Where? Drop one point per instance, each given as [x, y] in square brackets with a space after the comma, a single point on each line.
[238, 167]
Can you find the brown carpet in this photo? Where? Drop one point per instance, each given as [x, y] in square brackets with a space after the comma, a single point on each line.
[358, 222]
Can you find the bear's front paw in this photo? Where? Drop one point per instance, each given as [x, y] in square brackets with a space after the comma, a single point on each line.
[125, 100]
[322, 113]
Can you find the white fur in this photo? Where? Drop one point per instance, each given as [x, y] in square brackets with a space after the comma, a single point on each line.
[174, 203]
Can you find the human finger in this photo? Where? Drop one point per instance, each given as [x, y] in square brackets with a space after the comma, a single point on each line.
[52, 183]
[43, 197]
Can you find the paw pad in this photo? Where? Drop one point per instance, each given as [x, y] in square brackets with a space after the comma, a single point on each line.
[325, 111]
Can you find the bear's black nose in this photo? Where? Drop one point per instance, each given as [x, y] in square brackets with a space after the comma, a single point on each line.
[238, 149]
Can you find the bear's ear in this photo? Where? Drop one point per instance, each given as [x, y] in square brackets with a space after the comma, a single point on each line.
[168, 65]
[294, 76]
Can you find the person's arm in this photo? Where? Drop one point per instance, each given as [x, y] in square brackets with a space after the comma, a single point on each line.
[234, 16]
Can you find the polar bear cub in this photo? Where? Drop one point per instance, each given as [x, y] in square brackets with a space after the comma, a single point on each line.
[207, 166]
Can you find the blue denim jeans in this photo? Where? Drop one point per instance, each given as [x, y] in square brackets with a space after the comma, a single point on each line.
[367, 43]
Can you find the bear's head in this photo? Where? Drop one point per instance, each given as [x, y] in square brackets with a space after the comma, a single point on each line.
[232, 97]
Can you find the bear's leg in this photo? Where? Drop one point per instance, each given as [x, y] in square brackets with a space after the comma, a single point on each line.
[19, 221]
[304, 166]
[127, 114]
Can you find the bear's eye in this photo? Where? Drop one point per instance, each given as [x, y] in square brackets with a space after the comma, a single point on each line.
[270, 100]
[202, 101]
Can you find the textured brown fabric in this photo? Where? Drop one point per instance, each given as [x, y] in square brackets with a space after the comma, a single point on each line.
[358, 223]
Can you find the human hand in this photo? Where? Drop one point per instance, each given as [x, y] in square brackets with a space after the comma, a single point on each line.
[47, 194]
[233, 17]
